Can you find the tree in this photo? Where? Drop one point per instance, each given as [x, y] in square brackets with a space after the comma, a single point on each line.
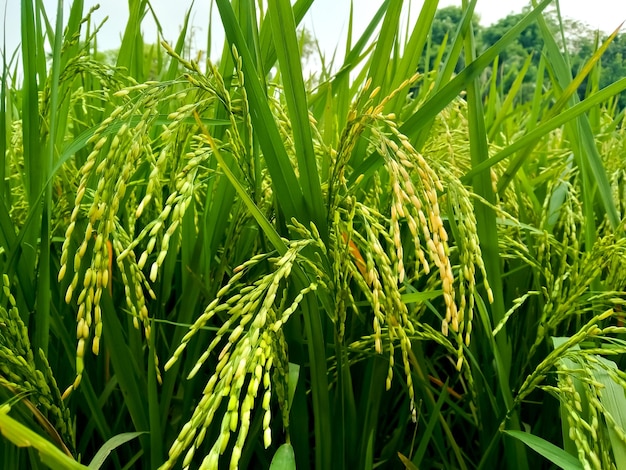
[446, 23]
[530, 42]
[612, 63]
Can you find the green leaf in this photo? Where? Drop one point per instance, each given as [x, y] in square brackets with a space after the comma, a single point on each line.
[414, 297]
[22, 436]
[284, 180]
[449, 92]
[286, 42]
[111, 445]
[294, 375]
[408, 465]
[543, 129]
[266, 226]
[548, 450]
[434, 105]
[284, 458]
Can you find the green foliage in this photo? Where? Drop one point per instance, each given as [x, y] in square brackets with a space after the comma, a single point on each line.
[529, 45]
[444, 26]
[612, 65]
[226, 267]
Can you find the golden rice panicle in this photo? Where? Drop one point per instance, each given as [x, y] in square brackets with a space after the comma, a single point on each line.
[247, 118]
[415, 200]
[109, 171]
[415, 203]
[134, 281]
[347, 262]
[584, 397]
[357, 122]
[252, 346]
[380, 285]
[105, 177]
[380, 289]
[109, 164]
[280, 378]
[569, 275]
[470, 260]
[552, 256]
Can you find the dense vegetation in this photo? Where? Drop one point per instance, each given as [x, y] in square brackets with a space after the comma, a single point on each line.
[223, 264]
[580, 40]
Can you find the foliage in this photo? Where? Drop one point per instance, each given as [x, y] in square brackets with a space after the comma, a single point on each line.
[444, 25]
[612, 66]
[224, 266]
[529, 45]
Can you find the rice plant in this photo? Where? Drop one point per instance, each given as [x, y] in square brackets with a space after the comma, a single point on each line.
[221, 264]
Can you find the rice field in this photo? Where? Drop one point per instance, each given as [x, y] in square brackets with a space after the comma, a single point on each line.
[230, 265]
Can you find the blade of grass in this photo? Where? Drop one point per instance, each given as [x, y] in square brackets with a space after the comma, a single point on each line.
[4, 124]
[413, 50]
[284, 180]
[172, 71]
[564, 77]
[369, 409]
[346, 422]
[126, 367]
[266, 44]
[430, 426]
[341, 82]
[154, 416]
[488, 236]
[378, 72]
[382, 55]
[109, 446]
[286, 43]
[583, 141]
[614, 401]
[32, 176]
[452, 59]
[451, 90]
[130, 54]
[450, 64]
[42, 327]
[573, 86]
[284, 458]
[507, 105]
[546, 449]
[485, 216]
[22, 436]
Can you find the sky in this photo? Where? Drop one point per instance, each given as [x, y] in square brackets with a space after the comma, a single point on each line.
[327, 19]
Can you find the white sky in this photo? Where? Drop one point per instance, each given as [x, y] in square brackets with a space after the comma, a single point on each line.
[327, 19]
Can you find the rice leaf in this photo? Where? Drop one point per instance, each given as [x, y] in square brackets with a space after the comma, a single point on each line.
[284, 458]
[285, 182]
[22, 436]
[286, 43]
[109, 446]
[546, 449]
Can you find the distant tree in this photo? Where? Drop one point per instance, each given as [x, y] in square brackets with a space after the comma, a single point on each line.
[308, 44]
[529, 42]
[580, 40]
[446, 22]
[612, 63]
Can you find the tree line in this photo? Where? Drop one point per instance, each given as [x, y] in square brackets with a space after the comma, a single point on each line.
[581, 43]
